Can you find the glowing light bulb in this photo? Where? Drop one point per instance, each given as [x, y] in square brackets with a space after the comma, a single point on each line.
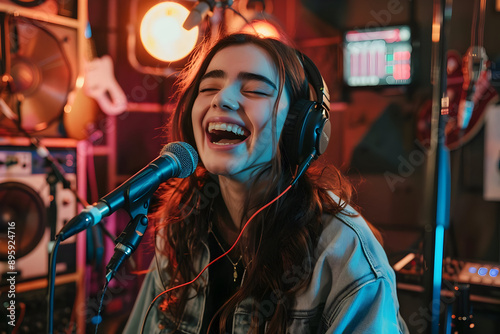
[162, 34]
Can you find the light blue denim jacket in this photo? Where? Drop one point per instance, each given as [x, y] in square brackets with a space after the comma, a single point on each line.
[352, 290]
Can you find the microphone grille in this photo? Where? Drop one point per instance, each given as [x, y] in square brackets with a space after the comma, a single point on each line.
[186, 155]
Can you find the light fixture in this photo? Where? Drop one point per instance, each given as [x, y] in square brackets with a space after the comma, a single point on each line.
[162, 34]
[157, 43]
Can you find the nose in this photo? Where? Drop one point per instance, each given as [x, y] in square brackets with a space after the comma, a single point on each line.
[226, 100]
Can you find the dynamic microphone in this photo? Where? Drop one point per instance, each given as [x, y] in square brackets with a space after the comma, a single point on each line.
[475, 65]
[176, 160]
[198, 13]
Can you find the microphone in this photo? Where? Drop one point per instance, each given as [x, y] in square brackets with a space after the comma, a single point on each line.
[176, 160]
[475, 64]
[198, 13]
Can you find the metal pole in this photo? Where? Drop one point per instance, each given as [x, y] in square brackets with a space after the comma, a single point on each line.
[437, 183]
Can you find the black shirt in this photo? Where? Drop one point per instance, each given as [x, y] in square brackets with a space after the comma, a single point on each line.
[221, 283]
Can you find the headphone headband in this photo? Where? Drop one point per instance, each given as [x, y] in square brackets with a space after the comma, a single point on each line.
[307, 127]
[314, 77]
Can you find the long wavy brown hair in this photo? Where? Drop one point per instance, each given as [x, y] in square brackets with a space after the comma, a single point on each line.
[281, 238]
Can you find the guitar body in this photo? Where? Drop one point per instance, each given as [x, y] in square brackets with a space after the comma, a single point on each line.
[100, 91]
[80, 116]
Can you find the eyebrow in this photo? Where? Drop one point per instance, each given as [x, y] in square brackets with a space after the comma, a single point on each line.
[218, 74]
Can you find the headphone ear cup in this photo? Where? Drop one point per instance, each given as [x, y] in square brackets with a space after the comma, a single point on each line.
[306, 130]
[323, 137]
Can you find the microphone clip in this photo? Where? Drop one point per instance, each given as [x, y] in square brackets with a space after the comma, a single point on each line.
[126, 243]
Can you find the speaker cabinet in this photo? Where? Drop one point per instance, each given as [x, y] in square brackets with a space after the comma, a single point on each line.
[33, 208]
[25, 199]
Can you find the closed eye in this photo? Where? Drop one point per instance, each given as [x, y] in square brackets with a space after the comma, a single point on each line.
[256, 92]
[205, 90]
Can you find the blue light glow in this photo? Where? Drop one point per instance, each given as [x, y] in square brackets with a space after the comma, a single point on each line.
[482, 271]
[438, 275]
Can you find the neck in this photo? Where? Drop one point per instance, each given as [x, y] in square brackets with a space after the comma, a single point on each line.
[230, 213]
[234, 195]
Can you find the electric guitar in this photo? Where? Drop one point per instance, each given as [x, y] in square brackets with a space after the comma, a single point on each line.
[484, 94]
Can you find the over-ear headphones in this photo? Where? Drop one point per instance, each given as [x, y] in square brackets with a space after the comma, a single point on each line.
[307, 127]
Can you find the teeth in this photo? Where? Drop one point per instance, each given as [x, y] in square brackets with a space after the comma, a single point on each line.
[234, 128]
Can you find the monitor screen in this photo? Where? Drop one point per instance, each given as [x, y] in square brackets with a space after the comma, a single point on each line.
[378, 56]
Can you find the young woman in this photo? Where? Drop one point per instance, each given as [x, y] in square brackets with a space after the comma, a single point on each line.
[307, 263]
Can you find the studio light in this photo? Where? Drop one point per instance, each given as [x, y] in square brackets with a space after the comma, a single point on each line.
[162, 34]
[156, 41]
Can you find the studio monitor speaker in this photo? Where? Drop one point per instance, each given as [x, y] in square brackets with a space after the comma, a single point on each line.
[29, 197]
[25, 199]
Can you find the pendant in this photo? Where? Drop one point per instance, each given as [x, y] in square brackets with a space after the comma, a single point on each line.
[235, 273]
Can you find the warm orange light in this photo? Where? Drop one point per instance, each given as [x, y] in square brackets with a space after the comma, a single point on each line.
[261, 29]
[162, 33]
[436, 32]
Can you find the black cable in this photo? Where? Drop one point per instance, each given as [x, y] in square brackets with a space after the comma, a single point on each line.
[100, 306]
[51, 287]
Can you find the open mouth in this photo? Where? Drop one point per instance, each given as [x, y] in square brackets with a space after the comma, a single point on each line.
[226, 133]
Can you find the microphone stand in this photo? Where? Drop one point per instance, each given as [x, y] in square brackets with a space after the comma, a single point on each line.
[54, 176]
[437, 181]
[128, 241]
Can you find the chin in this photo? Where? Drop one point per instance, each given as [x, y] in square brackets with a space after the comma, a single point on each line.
[217, 168]
[227, 171]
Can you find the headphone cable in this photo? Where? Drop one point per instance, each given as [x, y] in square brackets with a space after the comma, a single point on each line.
[303, 167]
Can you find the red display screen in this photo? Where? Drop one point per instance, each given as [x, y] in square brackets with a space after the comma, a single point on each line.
[378, 56]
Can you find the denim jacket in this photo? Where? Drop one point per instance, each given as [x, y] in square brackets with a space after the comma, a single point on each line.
[352, 290]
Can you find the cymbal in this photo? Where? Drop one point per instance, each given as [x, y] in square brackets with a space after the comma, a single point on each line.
[41, 75]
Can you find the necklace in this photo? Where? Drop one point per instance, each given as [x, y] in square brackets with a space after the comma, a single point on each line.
[235, 272]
